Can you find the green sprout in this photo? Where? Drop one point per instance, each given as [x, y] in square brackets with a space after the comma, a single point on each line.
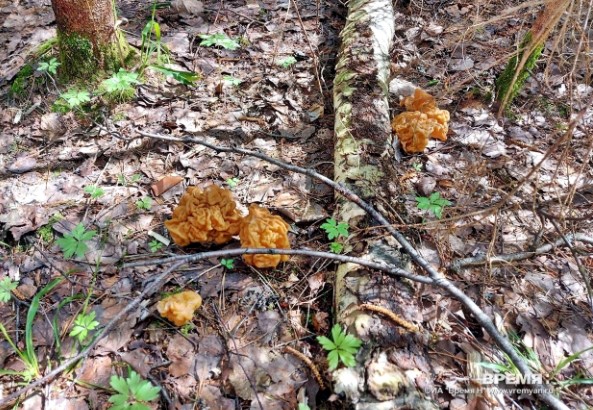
[287, 62]
[232, 182]
[83, 324]
[336, 247]
[120, 86]
[73, 98]
[342, 347]
[94, 191]
[434, 203]
[228, 263]
[48, 67]
[144, 203]
[74, 243]
[133, 392]
[219, 40]
[7, 285]
[230, 80]
[154, 245]
[333, 229]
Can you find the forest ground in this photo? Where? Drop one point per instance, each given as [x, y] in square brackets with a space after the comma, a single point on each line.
[232, 355]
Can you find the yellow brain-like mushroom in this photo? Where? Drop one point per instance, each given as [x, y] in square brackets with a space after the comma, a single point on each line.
[261, 229]
[180, 307]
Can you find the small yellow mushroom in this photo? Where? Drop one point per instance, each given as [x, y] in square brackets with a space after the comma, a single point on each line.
[180, 307]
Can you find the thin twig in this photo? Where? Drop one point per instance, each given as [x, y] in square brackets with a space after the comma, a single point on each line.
[309, 363]
[305, 252]
[459, 264]
[149, 290]
[503, 343]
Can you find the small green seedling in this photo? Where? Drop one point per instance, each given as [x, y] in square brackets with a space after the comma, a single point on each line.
[7, 285]
[228, 263]
[432, 82]
[94, 191]
[287, 62]
[154, 245]
[144, 203]
[46, 232]
[73, 98]
[336, 247]
[49, 67]
[83, 324]
[303, 406]
[230, 80]
[333, 229]
[342, 348]
[219, 40]
[232, 182]
[184, 77]
[120, 86]
[417, 166]
[434, 203]
[74, 243]
[133, 392]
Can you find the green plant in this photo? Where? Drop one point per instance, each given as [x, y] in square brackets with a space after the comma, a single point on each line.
[185, 329]
[287, 62]
[232, 182]
[22, 81]
[336, 247]
[72, 99]
[151, 42]
[219, 40]
[432, 82]
[74, 243]
[7, 285]
[154, 245]
[342, 347]
[46, 232]
[120, 86]
[228, 263]
[83, 324]
[133, 392]
[28, 356]
[417, 166]
[48, 67]
[184, 77]
[94, 191]
[434, 203]
[230, 80]
[333, 229]
[303, 406]
[144, 203]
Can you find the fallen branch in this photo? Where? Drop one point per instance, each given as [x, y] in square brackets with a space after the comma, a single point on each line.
[459, 264]
[501, 341]
[305, 252]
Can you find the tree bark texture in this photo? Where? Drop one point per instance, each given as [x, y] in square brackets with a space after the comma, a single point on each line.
[88, 39]
[393, 370]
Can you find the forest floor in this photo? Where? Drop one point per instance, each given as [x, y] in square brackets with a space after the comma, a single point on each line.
[273, 94]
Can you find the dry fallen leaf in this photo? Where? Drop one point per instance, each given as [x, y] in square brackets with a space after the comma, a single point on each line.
[164, 184]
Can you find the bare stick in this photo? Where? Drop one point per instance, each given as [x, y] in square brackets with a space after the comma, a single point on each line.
[459, 264]
[438, 279]
[305, 252]
[149, 290]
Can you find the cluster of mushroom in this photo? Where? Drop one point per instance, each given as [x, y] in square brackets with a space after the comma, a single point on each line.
[421, 121]
[211, 216]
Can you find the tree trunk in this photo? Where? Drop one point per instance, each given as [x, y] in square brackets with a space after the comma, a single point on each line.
[88, 39]
[392, 369]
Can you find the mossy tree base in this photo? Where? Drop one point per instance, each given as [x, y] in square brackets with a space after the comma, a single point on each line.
[87, 38]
